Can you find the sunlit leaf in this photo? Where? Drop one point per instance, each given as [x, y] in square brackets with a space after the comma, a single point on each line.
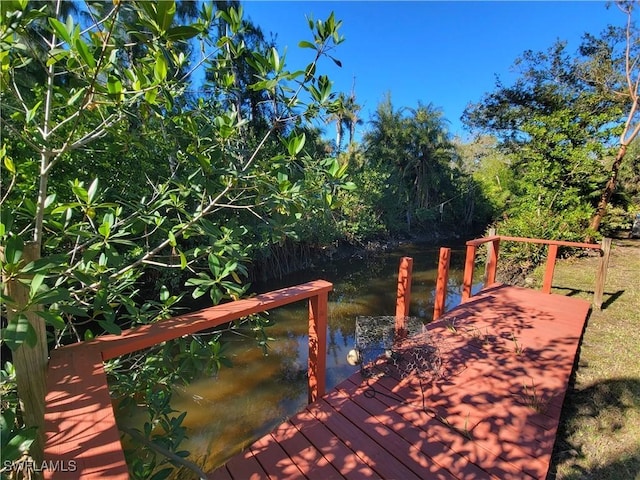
[160, 68]
[85, 54]
[182, 33]
[305, 44]
[60, 29]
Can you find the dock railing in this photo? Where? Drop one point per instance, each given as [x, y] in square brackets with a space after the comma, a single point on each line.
[82, 437]
[493, 249]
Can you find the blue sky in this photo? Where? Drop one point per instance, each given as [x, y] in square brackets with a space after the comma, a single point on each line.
[445, 53]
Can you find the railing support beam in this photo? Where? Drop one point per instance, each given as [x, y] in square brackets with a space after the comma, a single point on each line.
[467, 279]
[403, 295]
[318, 308]
[493, 248]
[551, 266]
[442, 282]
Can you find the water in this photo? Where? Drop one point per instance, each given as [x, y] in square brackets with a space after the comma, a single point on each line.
[228, 412]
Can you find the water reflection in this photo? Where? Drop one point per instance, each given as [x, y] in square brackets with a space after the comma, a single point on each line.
[227, 413]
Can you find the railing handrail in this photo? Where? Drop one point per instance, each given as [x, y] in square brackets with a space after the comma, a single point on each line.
[81, 431]
[492, 261]
[561, 243]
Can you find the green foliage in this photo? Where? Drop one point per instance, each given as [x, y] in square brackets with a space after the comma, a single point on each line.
[15, 438]
[114, 174]
[417, 174]
[554, 130]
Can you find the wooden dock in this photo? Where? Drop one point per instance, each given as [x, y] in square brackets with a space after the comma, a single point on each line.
[486, 405]
[491, 410]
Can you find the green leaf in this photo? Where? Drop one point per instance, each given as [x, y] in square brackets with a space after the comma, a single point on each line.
[85, 54]
[172, 238]
[110, 327]
[51, 296]
[17, 332]
[305, 44]
[160, 68]
[296, 144]
[93, 188]
[19, 443]
[350, 186]
[32, 113]
[80, 191]
[60, 29]
[13, 249]
[214, 265]
[114, 87]
[104, 229]
[182, 33]
[35, 284]
[164, 293]
[336, 61]
[8, 163]
[166, 11]
[52, 318]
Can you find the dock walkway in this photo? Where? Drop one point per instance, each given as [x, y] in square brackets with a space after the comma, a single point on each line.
[489, 407]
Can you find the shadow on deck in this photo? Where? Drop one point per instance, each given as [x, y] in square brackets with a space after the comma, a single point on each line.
[491, 410]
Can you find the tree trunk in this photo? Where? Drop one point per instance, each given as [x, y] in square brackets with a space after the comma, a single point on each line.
[609, 188]
[30, 362]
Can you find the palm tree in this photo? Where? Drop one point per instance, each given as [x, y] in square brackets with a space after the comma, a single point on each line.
[344, 112]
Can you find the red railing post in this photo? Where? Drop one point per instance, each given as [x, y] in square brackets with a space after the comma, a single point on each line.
[403, 296]
[551, 265]
[493, 248]
[442, 282]
[467, 279]
[318, 308]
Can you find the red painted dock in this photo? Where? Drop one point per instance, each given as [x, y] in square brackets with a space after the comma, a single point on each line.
[491, 410]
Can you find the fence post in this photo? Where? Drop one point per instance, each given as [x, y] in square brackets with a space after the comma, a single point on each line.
[467, 280]
[551, 266]
[493, 248]
[403, 297]
[317, 345]
[442, 282]
[490, 233]
[601, 275]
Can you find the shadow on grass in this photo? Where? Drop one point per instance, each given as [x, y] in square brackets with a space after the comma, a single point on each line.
[605, 403]
[611, 296]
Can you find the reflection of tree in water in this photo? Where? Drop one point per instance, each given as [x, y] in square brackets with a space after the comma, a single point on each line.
[293, 369]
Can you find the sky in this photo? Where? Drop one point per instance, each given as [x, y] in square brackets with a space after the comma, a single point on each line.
[445, 53]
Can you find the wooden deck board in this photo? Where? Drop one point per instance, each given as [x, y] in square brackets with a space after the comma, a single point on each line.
[493, 411]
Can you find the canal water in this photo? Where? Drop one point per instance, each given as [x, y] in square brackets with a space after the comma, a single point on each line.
[228, 412]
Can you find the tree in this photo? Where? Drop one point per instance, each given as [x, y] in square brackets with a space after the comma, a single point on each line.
[561, 118]
[106, 77]
[413, 147]
[612, 69]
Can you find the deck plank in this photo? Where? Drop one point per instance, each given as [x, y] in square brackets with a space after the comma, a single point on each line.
[492, 411]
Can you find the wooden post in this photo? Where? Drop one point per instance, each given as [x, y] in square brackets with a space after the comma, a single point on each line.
[403, 296]
[467, 279]
[30, 362]
[493, 248]
[601, 275]
[317, 345]
[551, 265]
[442, 282]
[490, 233]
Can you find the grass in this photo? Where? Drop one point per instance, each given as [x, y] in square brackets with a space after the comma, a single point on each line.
[599, 434]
